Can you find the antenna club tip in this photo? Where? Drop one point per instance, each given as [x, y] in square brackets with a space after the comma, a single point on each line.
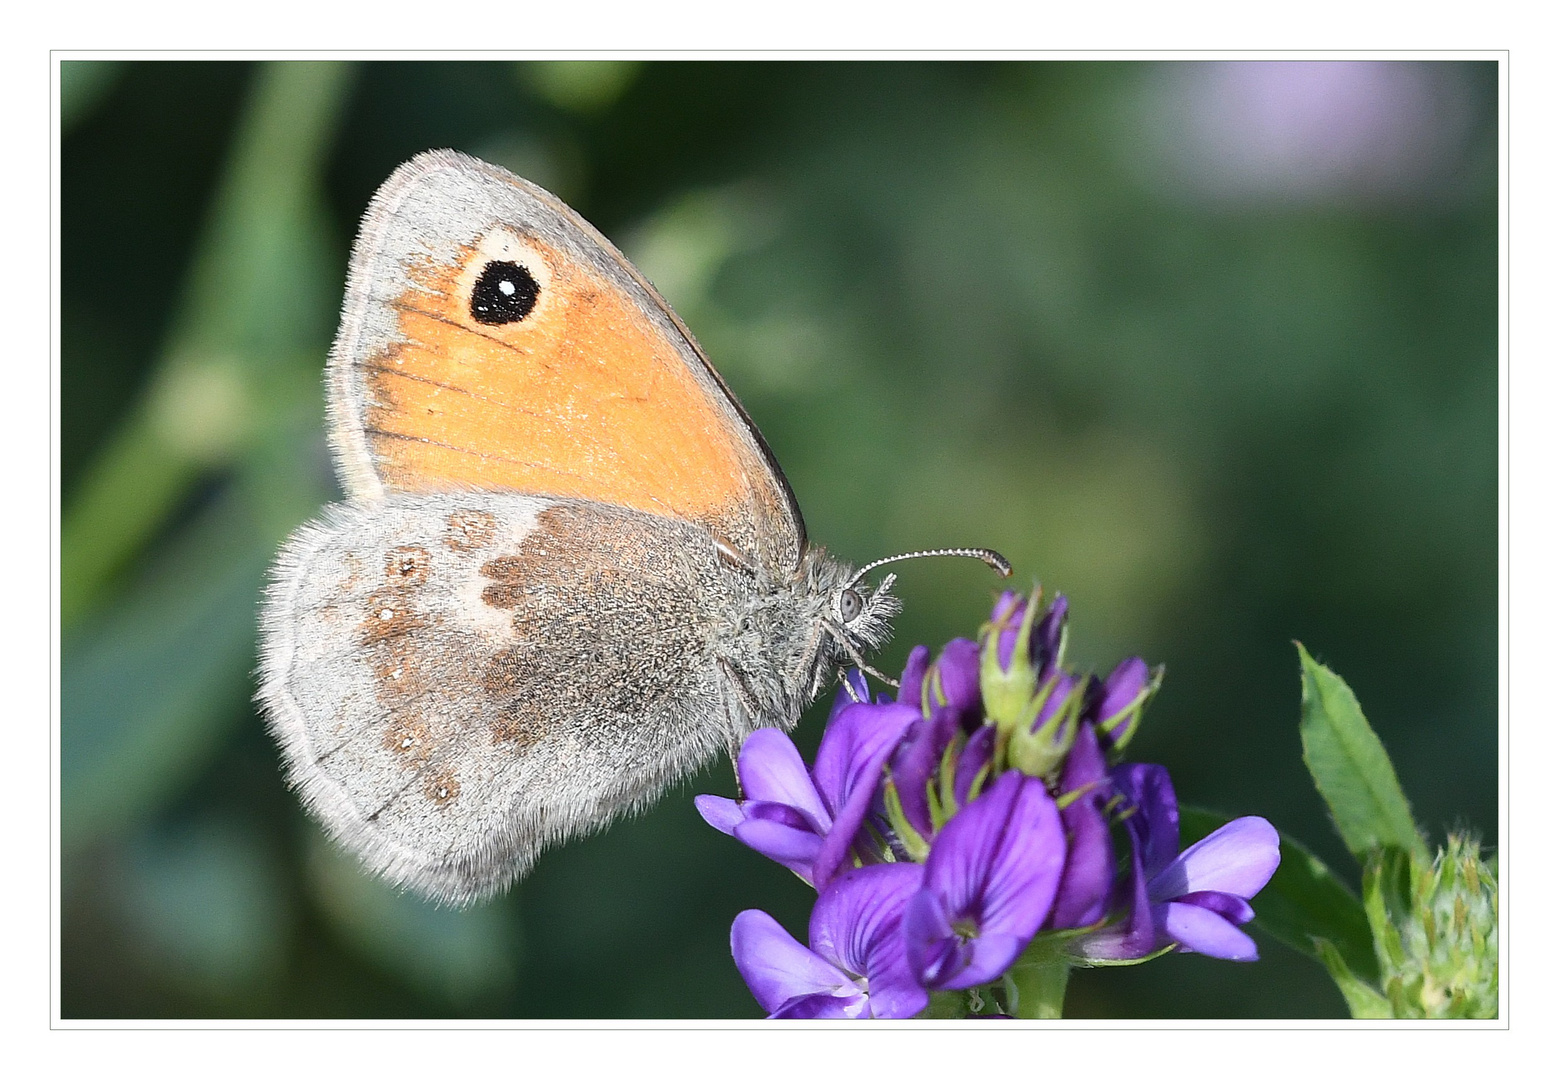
[997, 562]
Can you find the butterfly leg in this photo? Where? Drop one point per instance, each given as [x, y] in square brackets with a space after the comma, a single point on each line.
[734, 735]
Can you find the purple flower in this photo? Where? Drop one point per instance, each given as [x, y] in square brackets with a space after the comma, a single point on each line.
[912, 683]
[989, 882]
[1201, 898]
[1087, 880]
[855, 967]
[1194, 900]
[944, 831]
[916, 764]
[930, 747]
[952, 682]
[1115, 705]
[808, 821]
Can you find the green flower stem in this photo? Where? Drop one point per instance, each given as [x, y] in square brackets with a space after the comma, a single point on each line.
[1039, 979]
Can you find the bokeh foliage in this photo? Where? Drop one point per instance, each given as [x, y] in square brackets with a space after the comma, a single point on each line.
[1159, 332]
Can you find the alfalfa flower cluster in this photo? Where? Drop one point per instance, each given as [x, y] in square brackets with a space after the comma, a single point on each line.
[982, 827]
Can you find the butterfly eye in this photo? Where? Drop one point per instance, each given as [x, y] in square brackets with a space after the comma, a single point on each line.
[850, 605]
[505, 293]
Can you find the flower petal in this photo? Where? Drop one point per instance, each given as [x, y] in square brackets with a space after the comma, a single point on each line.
[1239, 858]
[771, 770]
[975, 756]
[847, 771]
[861, 734]
[1156, 823]
[912, 683]
[1085, 764]
[857, 925]
[1045, 642]
[1061, 685]
[1122, 687]
[915, 762]
[957, 676]
[1134, 936]
[941, 959]
[1083, 896]
[1007, 614]
[724, 814]
[852, 688]
[930, 945]
[776, 967]
[986, 959]
[823, 1007]
[1231, 907]
[1196, 929]
[795, 849]
[998, 861]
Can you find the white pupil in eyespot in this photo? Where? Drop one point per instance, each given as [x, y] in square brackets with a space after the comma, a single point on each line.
[506, 287]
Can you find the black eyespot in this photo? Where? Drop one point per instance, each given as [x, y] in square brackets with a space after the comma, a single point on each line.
[505, 293]
[850, 605]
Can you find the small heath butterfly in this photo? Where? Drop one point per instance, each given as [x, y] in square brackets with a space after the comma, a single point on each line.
[568, 570]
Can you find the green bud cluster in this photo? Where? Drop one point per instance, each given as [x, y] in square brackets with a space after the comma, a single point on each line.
[1014, 697]
[1436, 932]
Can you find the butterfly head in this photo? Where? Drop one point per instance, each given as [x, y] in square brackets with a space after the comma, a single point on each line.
[853, 617]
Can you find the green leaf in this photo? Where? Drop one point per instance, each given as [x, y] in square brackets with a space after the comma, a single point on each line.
[1388, 901]
[1303, 902]
[1364, 1001]
[1350, 766]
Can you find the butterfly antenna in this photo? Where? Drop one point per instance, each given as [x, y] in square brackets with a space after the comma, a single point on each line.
[990, 558]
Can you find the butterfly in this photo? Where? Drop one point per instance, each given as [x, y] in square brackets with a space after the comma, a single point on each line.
[568, 569]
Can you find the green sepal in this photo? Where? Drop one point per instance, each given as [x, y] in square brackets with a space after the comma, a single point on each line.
[1388, 898]
[1056, 941]
[908, 835]
[1364, 1001]
[1038, 753]
[1095, 962]
[940, 794]
[977, 784]
[1067, 798]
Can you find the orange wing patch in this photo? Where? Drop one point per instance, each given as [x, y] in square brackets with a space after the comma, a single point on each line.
[582, 396]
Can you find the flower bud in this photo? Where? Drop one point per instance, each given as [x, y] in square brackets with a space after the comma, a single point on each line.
[954, 682]
[1439, 952]
[1116, 704]
[1017, 650]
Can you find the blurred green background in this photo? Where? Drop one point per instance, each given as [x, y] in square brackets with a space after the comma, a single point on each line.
[1210, 347]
